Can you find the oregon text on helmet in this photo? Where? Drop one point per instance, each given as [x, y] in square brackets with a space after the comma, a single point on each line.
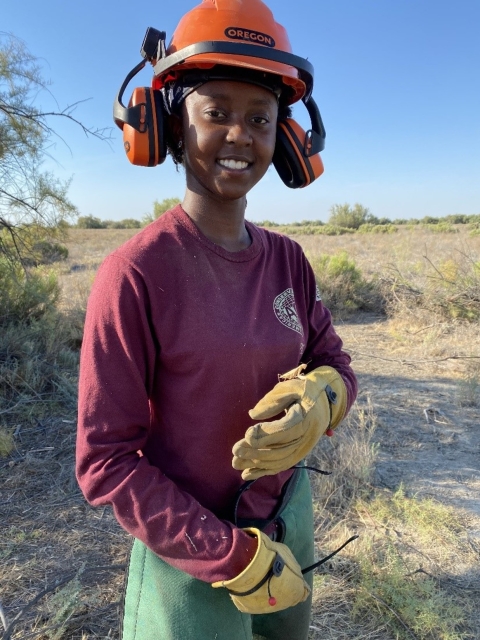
[244, 34]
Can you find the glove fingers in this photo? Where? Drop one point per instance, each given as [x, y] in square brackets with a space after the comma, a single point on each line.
[246, 456]
[286, 429]
[264, 457]
[279, 463]
[280, 397]
[255, 473]
[269, 468]
[292, 456]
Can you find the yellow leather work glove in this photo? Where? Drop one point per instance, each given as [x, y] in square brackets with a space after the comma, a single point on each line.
[272, 581]
[314, 403]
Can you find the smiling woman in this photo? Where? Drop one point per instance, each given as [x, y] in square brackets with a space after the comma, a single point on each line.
[190, 326]
[228, 131]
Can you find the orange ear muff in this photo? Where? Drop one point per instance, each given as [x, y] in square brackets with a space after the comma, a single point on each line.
[142, 122]
[143, 136]
[297, 153]
[291, 159]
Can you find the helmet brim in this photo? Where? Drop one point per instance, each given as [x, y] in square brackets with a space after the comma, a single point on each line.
[296, 72]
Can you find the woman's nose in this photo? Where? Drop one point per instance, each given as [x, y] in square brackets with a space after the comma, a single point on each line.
[239, 133]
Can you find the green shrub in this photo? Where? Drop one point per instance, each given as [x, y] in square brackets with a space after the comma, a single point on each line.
[307, 223]
[457, 218]
[332, 230]
[33, 244]
[267, 224]
[407, 605]
[159, 208]
[343, 215]
[127, 223]
[316, 230]
[90, 222]
[46, 252]
[412, 602]
[26, 295]
[368, 227]
[440, 227]
[342, 286]
[474, 229]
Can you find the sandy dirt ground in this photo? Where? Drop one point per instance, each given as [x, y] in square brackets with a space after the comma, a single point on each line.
[428, 440]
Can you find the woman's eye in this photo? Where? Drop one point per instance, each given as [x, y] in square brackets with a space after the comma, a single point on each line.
[215, 113]
[260, 120]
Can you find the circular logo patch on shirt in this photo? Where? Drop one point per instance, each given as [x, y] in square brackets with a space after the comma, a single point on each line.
[286, 311]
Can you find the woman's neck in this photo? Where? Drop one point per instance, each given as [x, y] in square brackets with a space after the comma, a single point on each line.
[221, 222]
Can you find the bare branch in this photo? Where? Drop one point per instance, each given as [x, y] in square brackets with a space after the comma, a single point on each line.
[30, 196]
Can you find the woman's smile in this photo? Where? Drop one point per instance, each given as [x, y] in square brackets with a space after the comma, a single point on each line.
[230, 163]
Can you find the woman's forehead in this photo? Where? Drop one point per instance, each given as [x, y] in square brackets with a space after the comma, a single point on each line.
[234, 90]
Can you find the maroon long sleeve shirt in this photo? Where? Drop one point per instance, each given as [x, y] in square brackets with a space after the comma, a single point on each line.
[181, 339]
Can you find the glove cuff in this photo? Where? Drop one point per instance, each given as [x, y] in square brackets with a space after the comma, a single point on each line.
[329, 380]
[256, 573]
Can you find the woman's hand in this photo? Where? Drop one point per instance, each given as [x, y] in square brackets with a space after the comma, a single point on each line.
[313, 403]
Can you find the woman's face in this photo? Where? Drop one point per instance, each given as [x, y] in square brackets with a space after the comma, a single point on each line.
[229, 131]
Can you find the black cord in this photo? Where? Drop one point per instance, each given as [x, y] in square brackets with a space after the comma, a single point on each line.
[323, 560]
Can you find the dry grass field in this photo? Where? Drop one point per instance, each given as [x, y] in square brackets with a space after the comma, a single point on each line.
[405, 465]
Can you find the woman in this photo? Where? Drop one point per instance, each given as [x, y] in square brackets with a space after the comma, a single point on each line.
[190, 326]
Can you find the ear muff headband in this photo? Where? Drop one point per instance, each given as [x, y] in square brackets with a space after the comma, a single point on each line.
[121, 114]
[142, 123]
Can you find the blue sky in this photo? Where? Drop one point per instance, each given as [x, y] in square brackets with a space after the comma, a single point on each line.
[397, 83]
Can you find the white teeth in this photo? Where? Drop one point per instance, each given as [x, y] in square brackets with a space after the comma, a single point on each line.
[233, 164]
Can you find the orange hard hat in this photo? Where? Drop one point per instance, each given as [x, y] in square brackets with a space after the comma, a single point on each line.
[239, 33]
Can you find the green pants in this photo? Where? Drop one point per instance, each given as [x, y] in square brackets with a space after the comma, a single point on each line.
[163, 603]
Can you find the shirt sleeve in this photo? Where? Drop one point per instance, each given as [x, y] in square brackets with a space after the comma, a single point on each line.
[118, 360]
[324, 346]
